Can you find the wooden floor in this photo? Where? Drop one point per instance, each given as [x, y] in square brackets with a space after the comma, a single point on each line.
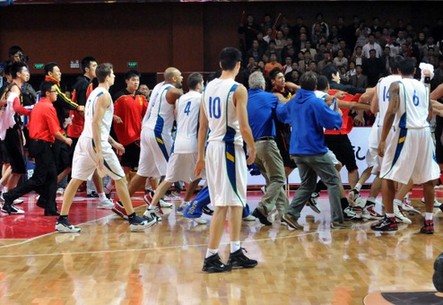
[106, 264]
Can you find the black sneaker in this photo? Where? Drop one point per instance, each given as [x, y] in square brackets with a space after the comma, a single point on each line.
[312, 203]
[262, 218]
[207, 211]
[385, 224]
[291, 221]
[64, 226]
[239, 260]
[214, 264]
[136, 223]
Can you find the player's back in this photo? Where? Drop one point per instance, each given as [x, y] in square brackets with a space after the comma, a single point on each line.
[383, 95]
[89, 114]
[161, 115]
[414, 104]
[188, 106]
[220, 110]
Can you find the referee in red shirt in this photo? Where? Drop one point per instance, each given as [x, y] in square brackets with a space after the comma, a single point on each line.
[44, 128]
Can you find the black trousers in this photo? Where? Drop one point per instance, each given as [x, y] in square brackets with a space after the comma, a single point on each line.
[44, 179]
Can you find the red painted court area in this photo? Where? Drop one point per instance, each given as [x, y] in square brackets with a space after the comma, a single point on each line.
[33, 223]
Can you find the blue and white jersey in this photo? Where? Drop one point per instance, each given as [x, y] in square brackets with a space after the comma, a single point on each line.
[383, 96]
[414, 104]
[218, 104]
[188, 110]
[89, 114]
[161, 113]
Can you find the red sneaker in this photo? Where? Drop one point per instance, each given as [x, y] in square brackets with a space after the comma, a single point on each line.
[428, 227]
[119, 209]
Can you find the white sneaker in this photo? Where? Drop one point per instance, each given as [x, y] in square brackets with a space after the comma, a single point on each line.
[353, 195]
[106, 204]
[250, 217]
[165, 204]
[400, 217]
[407, 206]
[66, 227]
[199, 221]
[17, 201]
[60, 191]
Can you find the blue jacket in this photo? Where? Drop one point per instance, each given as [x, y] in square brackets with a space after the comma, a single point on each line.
[308, 116]
[261, 113]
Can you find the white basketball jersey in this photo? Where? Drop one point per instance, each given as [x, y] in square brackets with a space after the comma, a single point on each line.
[221, 112]
[154, 93]
[89, 114]
[414, 104]
[188, 106]
[383, 96]
[161, 113]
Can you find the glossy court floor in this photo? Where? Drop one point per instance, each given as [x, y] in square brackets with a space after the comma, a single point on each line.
[106, 264]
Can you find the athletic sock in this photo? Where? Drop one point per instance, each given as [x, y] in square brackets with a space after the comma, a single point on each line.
[102, 196]
[211, 252]
[358, 187]
[235, 246]
[428, 216]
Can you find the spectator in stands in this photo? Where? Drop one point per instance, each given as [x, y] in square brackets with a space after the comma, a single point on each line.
[287, 67]
[372, 45]
[357, 56]
[310, 49]
[255, 51]
[272, 64]
[340, 60]
[249, 29]
[359, 80]
[373, 68]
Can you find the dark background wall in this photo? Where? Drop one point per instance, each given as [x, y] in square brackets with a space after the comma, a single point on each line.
[157, 35]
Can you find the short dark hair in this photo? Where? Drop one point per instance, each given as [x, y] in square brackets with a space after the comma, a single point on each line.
[45, 87]
[322, 83]
[229, 57]
[194, 79]
[407, 66]
[14, 49]
[17, 67]
[86, 62]
[49, 67]
[131, 73]
[274, 73]
[394, 61]
[308, 81]
[329, 70]
[103, 71]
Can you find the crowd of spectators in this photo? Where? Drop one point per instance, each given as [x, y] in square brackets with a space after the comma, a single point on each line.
[360, 49]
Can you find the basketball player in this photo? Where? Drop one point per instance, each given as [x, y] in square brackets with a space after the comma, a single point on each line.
[223, 111]
[409, 152]
[156, 137]
[184, 153]
[379, 105]
[94, 151]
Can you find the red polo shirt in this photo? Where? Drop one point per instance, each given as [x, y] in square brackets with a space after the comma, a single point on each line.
[131, 109]
[43, 124]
